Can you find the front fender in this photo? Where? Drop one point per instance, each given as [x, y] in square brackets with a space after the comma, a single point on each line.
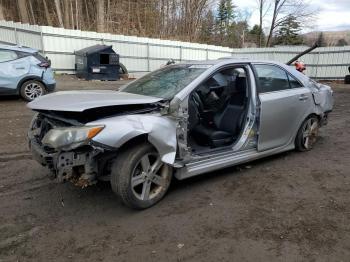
[161, 132]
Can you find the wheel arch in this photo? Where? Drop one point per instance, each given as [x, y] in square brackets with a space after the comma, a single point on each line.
[147, 138]
[319, 117]
[308, 116]
[123, 131]
[28, 78]
[134, 141]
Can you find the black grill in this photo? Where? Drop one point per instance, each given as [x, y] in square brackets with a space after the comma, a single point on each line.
[45, 127]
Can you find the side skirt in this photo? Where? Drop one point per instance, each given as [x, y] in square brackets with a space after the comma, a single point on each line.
[226, 159]
[8, 91]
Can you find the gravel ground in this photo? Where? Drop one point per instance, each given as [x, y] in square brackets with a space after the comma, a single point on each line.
[289, 207]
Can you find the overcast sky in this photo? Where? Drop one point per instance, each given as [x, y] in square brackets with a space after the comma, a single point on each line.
[333, 15]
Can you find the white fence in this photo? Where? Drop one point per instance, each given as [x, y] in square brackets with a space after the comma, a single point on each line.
[140, 54]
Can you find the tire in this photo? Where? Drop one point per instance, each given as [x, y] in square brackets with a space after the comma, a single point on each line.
[307, 134]
[32, 89]
[137, 188]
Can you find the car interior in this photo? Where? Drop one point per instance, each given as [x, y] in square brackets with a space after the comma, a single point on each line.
[217, 110]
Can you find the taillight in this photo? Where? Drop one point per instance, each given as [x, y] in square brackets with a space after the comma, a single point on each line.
[44, 64]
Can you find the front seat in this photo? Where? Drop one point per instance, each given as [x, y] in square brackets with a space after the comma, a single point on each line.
[195, 109]
[239, 96]
[228, 121]
[227, 126]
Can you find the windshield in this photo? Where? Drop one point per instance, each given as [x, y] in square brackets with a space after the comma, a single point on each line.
[166, 82]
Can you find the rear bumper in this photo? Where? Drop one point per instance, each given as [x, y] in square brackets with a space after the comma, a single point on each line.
[324, 118]
[50, 87]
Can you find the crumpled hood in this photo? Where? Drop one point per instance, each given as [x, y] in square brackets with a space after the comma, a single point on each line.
[78, 101]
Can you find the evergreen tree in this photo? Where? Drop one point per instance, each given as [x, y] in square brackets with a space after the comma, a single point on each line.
[288, 33]
[342, 42]
[221, 17]
[230, 12]
[254, 33]
[225, 21]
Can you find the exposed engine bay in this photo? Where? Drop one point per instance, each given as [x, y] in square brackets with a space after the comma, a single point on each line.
[84, 164]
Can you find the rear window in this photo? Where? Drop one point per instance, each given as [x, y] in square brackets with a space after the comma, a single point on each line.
[40, 57]
[37, 55]
[293, 82]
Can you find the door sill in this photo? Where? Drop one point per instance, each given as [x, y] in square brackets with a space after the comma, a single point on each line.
[217, 161]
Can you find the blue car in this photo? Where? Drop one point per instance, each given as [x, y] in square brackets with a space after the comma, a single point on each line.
[24, 72]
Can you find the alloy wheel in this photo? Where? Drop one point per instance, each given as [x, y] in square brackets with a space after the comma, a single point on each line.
[310, 132]
[33, 90]
[149, 177]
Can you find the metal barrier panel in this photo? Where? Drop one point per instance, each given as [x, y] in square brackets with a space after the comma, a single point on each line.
[140, 54]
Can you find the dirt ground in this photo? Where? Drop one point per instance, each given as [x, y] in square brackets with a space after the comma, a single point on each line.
[290, 207]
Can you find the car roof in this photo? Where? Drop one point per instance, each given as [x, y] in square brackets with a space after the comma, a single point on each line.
[231, 60]
[19, 48]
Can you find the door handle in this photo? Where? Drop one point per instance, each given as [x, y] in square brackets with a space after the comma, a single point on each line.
[20, 67]
[303, 97]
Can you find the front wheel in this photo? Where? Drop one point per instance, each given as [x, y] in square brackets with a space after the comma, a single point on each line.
[307, 134]
[139, 176]
[32, 89]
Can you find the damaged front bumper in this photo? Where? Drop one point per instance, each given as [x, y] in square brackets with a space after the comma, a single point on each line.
[80, 166]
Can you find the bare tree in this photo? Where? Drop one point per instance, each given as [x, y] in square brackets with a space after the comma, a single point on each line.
[77, 14]
[283, 9]
[47, 14]
[100, 14]
[71, 15]
[66, 13]
[32, 16]
[170, 19]
[276, 9]
[2, 16]
[59, 13]
[23, 11]
[263, 9]
[86, 12]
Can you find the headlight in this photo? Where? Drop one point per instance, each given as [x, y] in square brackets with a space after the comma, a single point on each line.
[71, 137]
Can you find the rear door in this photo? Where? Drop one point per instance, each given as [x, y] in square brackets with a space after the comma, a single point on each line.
[12, 68]
[284, 103]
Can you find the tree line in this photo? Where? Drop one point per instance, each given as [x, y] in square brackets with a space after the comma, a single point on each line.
[218, 22]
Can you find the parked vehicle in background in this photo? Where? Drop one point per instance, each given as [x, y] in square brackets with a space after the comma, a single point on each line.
[347, 77]
[182, 120]
[24, 72]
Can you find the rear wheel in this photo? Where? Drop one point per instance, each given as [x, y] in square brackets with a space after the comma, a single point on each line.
[307, 134]
[32, 89]
[139, 176]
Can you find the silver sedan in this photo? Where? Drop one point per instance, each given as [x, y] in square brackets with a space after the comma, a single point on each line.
[179, 121]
